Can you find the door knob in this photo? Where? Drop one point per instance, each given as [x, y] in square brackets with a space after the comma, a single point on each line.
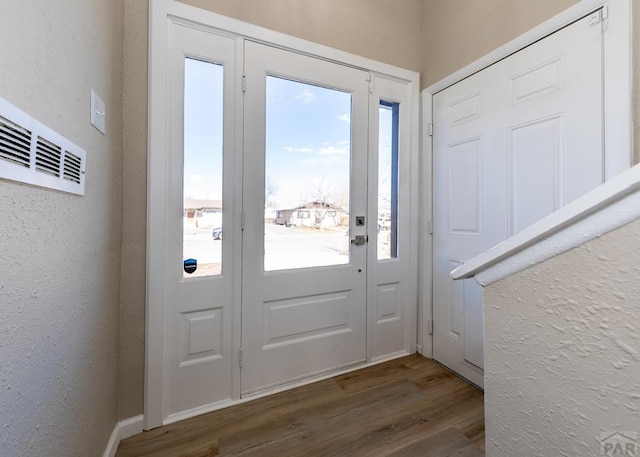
[359, 240]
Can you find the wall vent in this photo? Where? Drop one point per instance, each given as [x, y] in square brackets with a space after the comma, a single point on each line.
[72, 168]
[32, 153]
[48, 157]
[15, 143]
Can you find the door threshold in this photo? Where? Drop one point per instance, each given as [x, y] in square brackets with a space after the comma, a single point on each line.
[304, 380]
[215, 406]
[479, 387]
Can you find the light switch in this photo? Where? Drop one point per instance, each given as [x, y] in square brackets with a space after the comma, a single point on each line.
[98, 113]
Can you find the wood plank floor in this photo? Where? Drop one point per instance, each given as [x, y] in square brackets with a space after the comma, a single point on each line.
[403, 408]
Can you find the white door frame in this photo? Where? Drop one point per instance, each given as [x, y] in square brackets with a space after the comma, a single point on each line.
[617, 126]
[161, 12]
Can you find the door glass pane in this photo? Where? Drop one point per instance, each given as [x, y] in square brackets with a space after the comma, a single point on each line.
[307, 170]
[388, 180]
[202, 210]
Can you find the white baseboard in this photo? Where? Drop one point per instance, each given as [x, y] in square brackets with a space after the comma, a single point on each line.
[123, 429]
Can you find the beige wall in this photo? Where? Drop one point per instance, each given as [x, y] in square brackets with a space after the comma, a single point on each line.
[60, 253]
[562, 350]
[385, 30]
[377, 29]
[134, 211]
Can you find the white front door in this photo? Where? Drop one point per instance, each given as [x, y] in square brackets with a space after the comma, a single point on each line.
[280, 229]
[303, 281]
[512, 144]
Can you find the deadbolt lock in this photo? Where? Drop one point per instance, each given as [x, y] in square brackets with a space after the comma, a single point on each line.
[359, 221]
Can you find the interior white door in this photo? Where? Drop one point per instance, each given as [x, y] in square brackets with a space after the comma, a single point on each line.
[303, 282]
[512, 144]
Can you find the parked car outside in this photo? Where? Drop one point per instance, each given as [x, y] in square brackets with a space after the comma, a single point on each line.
[217, 233]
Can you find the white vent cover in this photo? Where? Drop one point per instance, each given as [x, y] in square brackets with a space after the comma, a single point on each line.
[34, 154]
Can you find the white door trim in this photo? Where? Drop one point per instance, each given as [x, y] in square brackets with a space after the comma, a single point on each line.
[425, 290]
[155, 384]
[617, 109]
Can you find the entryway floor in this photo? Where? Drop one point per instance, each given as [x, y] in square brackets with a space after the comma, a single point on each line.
[403, 408]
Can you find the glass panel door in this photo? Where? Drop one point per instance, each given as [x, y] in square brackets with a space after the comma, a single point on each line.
[198, 283]
[305, 185]
[391, 299]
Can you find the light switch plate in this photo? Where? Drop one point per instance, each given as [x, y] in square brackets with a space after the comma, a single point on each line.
[98, 113]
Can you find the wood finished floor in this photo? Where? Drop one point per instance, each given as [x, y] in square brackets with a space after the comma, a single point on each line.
[404, 408]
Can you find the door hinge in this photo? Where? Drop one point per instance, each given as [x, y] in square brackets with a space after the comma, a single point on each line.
[244, 83]
[430, 326]
[370, 80]
[430, 128]
[600, 17]
[430, 227]
[605, 18]
[241, 357]
[242, 221]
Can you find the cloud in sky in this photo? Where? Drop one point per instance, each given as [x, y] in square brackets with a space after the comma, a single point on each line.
[299, 150]
[305, 96]
[345, 118]
[341, 148]
[334, 151]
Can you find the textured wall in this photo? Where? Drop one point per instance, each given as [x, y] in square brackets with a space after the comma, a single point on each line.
[377, 29]
[60, 253]
[562, 350]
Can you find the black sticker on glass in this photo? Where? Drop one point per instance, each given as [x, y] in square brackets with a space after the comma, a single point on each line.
[190, 265]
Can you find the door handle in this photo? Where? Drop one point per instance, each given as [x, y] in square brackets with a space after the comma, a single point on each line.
[359, 240]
